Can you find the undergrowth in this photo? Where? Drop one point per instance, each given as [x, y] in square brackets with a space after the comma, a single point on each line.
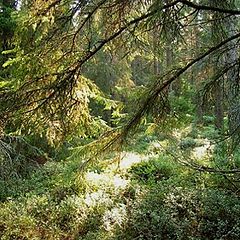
[155, 197]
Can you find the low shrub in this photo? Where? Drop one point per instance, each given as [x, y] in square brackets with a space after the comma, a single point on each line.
[187, 143]
[154, 170]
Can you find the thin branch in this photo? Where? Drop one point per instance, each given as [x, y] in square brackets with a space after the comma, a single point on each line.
[46, 10]
[85, 21]
[157, 89]
[91, 53]
[210, 8]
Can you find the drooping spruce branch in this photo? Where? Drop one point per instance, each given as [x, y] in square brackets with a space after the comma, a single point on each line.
[135, 21]
[191, 163]
[210, 8]
[102, 43]
[159, 87]
[113, 139]
[66, 78]
[66, 75]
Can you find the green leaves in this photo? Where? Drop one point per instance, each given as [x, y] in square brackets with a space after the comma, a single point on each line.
[11, 61]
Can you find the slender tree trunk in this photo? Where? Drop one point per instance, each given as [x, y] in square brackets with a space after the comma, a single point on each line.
[227, 27]
[218, 106]
[217, 64]
[195, 79]
[156, 64]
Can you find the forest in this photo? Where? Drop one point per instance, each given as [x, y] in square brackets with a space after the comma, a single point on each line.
[119, 119]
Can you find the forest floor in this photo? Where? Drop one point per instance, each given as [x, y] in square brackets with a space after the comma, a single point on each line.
[149, 194]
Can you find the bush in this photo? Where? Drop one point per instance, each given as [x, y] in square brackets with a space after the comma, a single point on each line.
[208, 120]
[220, 216]
[148, 219]
[187, 143]
[182, 105]
[210, 132]
[174, 212]
[153, 170]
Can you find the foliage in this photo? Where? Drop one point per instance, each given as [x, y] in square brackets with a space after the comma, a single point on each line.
[153, 170]
[18, 157]
[187, 143]
[154, 199]
[78, 79]
[175, 209]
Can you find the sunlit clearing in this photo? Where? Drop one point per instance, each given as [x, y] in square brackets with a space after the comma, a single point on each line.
[128, 159]
[99, 197]
[116, 181]
[202, 151]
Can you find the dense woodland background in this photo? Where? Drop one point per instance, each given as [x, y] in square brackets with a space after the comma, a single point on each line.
[119, 119]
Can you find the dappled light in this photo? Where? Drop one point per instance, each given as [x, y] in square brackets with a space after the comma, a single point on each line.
[119, 120]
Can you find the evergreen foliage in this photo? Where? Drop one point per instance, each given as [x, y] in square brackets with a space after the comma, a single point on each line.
[119, 119]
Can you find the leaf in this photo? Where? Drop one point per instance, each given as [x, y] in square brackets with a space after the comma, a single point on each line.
[14, 50]
[3, 84]
[34, 26]
[10, 62]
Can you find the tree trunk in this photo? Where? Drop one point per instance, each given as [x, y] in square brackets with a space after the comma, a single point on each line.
[217, 64]
[218, 106]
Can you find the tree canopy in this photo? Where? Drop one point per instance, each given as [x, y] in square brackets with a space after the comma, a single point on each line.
[57, 57]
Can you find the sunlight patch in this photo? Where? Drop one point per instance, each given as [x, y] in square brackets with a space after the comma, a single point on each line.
[106, 180]
[202, 151]
[97, 198]
[114, 217]
[129, 159]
